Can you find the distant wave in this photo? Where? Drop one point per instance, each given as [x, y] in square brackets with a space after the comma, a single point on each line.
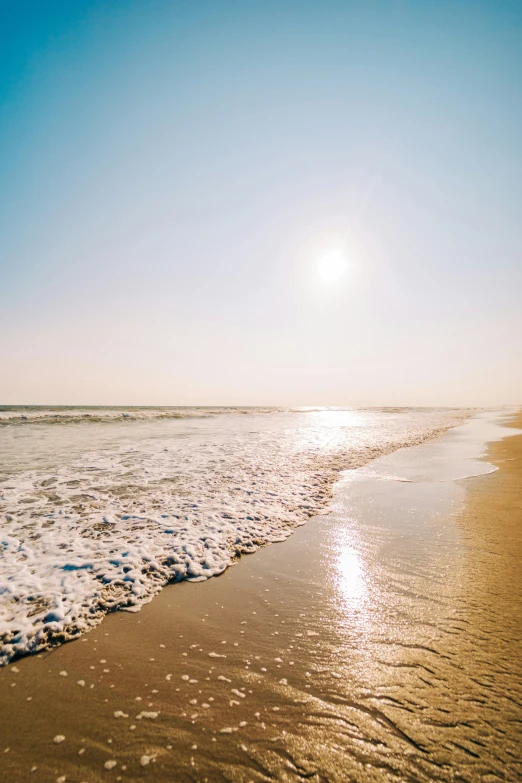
[12, 415]
[33, 414]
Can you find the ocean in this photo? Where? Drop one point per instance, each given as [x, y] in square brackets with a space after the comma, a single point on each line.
[101, 507]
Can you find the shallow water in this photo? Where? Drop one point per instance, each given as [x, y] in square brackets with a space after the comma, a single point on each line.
[102, 507]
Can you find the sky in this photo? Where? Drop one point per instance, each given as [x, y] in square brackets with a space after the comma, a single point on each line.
[172, 174]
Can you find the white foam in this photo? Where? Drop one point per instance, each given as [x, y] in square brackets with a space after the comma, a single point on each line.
[108, 525]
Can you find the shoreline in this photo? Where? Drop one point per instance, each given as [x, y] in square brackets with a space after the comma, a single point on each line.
[172, 513]
[347, 652]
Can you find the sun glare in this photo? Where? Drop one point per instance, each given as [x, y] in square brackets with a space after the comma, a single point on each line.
[332, 266]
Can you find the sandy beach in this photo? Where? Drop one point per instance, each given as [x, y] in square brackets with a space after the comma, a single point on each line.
[378, 643]
[260, 392]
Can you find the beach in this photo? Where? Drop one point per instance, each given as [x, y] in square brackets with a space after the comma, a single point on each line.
[378, 642]
[260, 392]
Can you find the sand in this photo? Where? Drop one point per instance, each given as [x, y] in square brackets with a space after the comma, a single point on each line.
[380, 642]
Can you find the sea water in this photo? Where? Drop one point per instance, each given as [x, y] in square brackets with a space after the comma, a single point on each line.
[101, 507]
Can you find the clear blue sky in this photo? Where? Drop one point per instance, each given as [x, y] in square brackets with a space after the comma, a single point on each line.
[172, 172]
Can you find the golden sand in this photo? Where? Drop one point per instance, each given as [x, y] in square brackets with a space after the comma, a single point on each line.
[295, 666]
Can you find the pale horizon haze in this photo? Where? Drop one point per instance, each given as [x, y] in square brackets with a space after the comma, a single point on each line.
[173, 173]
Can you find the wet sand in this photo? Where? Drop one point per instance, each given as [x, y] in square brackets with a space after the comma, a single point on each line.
[381, 642]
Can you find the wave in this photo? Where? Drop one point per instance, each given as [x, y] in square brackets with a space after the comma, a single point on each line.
[12, 415]
[106, 530]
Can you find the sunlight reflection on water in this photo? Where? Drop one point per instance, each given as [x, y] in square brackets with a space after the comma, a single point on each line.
[351, 582]
[339, 418]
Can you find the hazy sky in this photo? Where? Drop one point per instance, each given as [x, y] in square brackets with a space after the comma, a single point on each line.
[172, 172]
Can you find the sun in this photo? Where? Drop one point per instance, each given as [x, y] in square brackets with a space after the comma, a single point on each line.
[332, 266]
